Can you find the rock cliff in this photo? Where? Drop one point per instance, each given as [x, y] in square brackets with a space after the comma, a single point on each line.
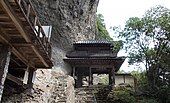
[71, 20]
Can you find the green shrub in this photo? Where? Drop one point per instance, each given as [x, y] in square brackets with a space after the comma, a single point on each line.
[144, 100]
[121, 95]
[163, 94]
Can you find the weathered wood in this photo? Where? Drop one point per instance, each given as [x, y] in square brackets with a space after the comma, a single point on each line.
[40, 56]
[22, 58]
[74, 71]
[90, 77]
[28, 12]
[4, 63]
[79, 80]
[31, 78]
[112, 77]
[6, 39]
[22, 44]
[26, 75]
[15, 79]
[18, 23]
[15, 19]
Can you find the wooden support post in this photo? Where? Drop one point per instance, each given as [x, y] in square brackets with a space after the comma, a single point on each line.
[112, 78]
[79, 81]
[31, 78]
[90, 77]
[74, 70]
[26, 75]
[5, 53]
[28, 11]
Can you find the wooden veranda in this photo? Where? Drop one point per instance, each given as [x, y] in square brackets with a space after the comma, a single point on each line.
[24, 46]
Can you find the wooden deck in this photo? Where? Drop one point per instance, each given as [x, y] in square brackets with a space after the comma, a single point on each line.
[21, 29]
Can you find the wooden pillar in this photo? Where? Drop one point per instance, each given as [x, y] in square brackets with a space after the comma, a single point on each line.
[74, 71]
[90, 77]
[74, 75]
[4, 63]
[79, 78]
[26, 75]
[112, 77]
[31, 78]
[79, 81]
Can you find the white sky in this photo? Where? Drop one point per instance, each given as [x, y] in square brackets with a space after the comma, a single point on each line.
[116, 12]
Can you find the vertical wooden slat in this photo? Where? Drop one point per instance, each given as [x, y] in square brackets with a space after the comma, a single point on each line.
[19, 2]
[28, 10]
[39, 31]
[90, 77]
[31, 77]
[74, 70]
[35, 21]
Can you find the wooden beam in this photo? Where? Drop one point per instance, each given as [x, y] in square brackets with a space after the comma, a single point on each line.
[15, 19]
[40, 57]
[20, 28]
[22, 58]
[4, 63]
[4, 16]
[22, 44]
[15, 79]
[3, 36]
[6, 39]
[15, 62]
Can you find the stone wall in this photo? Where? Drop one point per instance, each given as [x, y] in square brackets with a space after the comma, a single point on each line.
[63, 90]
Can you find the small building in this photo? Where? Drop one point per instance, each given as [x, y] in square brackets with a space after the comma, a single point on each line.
[125, 79]
[93, 57]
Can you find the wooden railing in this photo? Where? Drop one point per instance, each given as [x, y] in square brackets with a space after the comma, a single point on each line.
[32, 18]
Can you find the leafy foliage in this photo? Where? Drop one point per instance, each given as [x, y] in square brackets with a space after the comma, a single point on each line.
[144, 100]
[123, 95]
[147, 40]
[102, 31]
[141, 79]
[103, 34]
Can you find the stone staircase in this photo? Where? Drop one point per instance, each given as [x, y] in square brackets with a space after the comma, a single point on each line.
[85, 95]
[92, 94]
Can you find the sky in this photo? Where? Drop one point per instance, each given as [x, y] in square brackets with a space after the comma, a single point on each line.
[116, 12]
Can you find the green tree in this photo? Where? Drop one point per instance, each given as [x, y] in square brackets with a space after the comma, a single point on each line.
[102, 31]
[103, 34]
[147, 40]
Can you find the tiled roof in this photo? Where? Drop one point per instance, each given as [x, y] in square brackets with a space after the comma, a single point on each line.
[86, 54]
[93, 42]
